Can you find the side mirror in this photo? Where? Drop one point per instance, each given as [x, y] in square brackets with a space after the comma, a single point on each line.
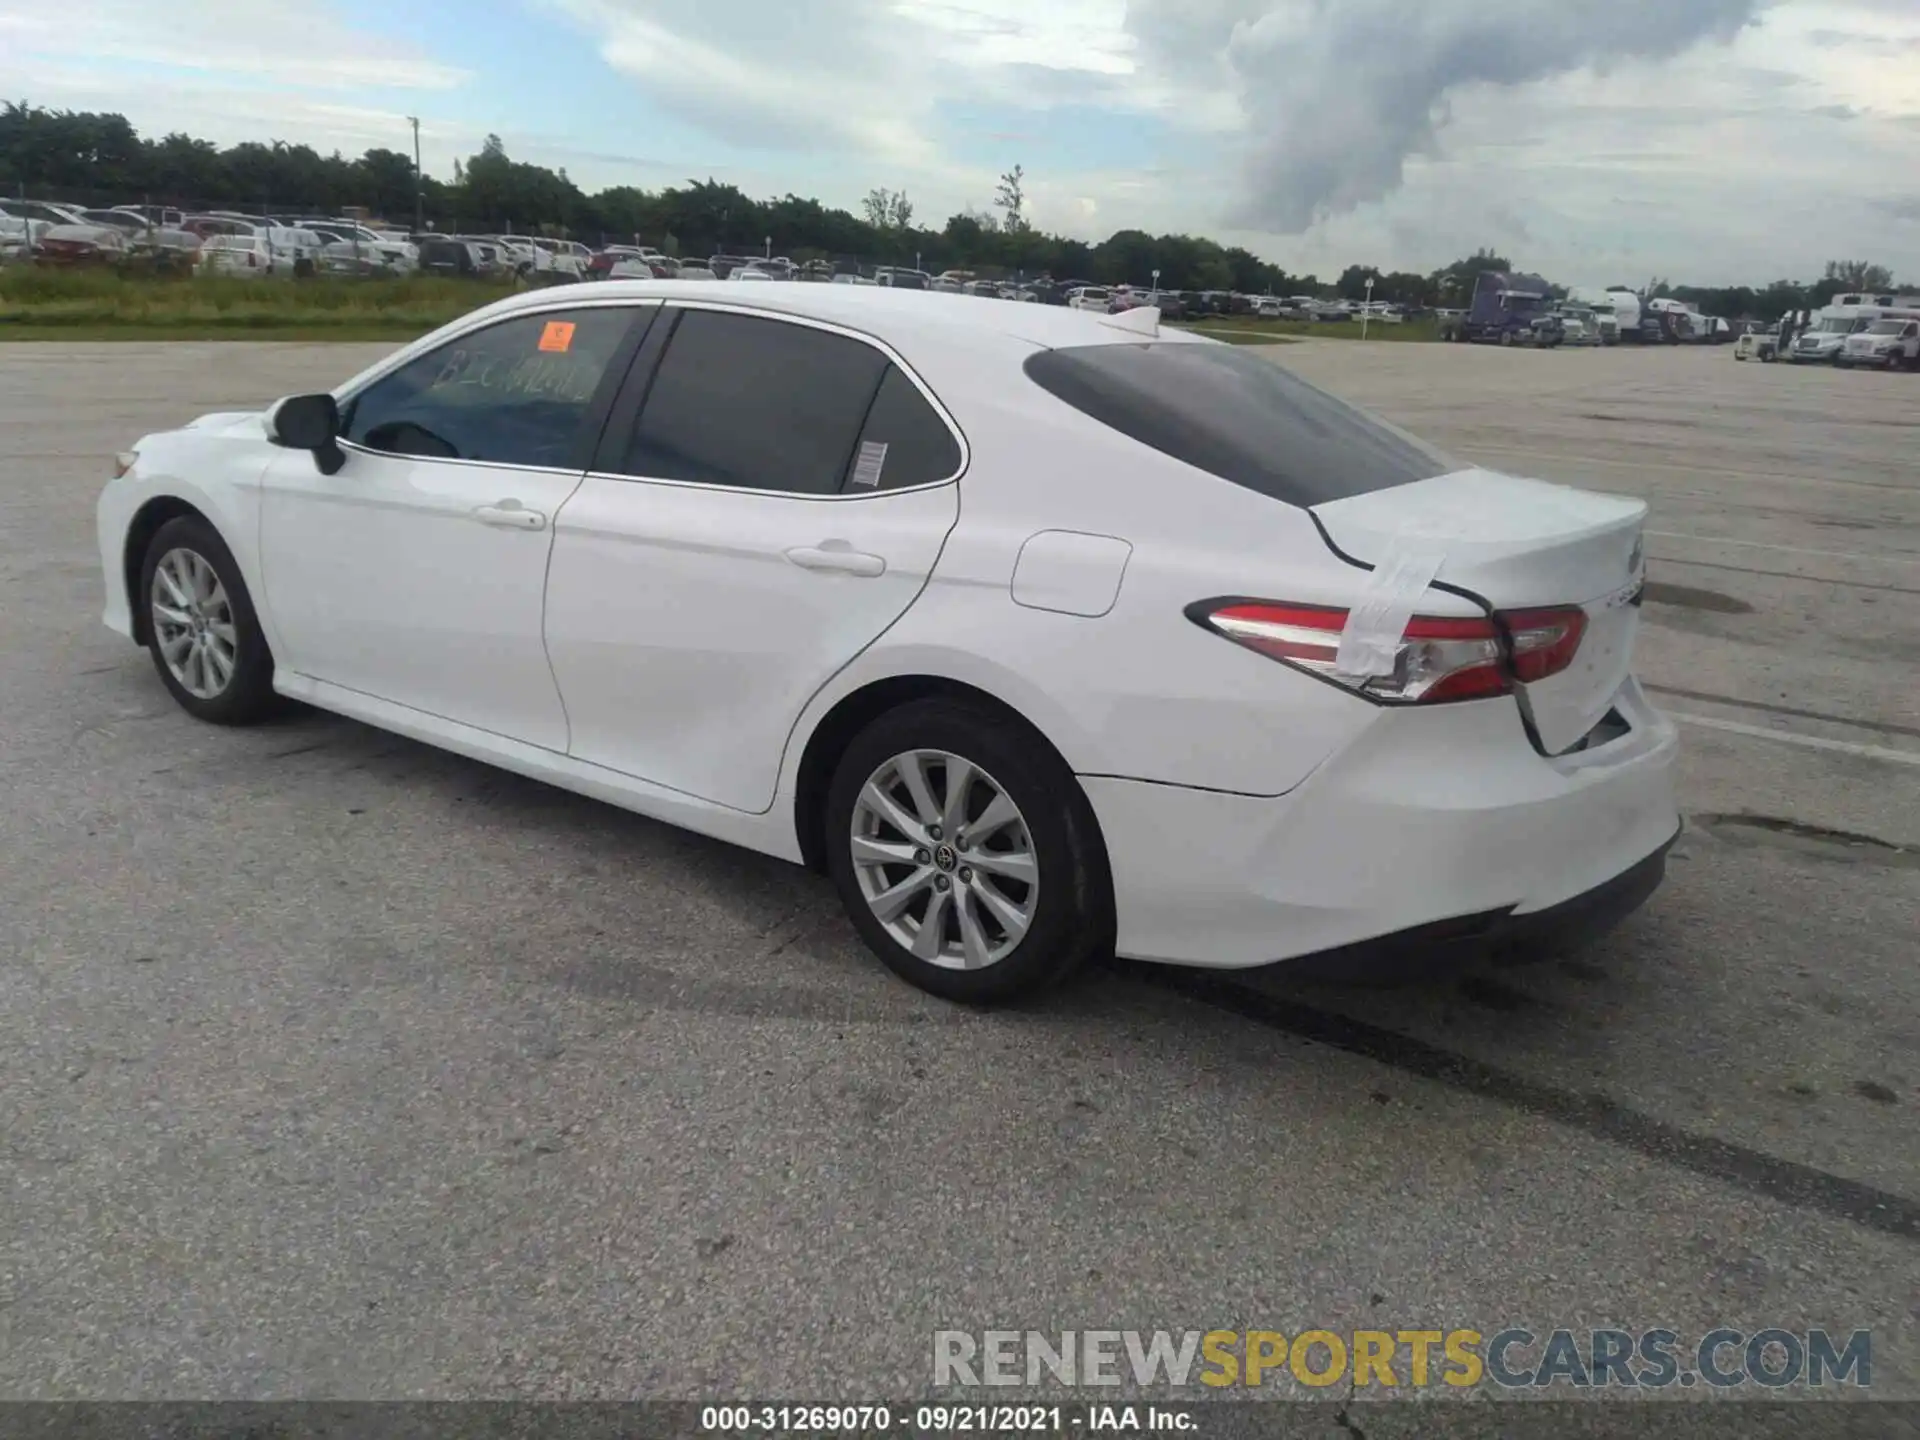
[309, 422]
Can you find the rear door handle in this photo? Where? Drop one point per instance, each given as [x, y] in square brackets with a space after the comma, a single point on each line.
[510, 515]
[838, 559]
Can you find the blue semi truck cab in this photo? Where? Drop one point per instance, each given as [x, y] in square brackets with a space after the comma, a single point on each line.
[1510, 309]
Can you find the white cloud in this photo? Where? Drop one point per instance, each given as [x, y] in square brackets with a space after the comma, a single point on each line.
[284, 42]
[1618, 151]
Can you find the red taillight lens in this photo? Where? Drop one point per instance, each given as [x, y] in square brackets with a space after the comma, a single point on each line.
[1544, 641]
[1439, 657]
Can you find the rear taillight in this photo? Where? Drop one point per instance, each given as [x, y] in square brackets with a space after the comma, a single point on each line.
[1438, 657]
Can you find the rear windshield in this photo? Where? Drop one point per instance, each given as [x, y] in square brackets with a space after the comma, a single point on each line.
[1231, 414]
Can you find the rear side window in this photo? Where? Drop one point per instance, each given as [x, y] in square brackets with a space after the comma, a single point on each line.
[515, 393]
[904, 442]
[1231, 414]
[757, 404]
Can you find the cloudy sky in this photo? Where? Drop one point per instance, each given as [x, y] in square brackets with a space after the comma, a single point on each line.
[1596, 140]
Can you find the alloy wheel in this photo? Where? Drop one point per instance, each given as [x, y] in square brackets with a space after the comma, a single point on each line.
[944, 859]
[193, 624]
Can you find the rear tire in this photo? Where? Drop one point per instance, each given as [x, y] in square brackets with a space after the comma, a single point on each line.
[202, 630]
[983, 917]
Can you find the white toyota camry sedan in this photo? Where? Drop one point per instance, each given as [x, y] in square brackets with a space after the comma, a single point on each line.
[1042, 632]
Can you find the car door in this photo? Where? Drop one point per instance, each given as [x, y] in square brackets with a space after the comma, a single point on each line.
[415, 574]
[770, 495]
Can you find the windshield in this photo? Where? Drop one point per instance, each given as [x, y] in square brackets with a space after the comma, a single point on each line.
[1887, 327]
[1237, 416]
[1834, 327]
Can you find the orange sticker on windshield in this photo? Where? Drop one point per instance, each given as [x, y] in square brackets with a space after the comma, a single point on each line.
[557, 338]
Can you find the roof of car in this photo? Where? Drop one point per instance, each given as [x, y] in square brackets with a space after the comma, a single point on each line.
[879, 310]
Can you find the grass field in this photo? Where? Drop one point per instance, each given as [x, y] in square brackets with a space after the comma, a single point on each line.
[1233, 335]
[40, 304]
[1255, 331]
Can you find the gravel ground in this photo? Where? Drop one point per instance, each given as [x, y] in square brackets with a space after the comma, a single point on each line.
[331, 1065]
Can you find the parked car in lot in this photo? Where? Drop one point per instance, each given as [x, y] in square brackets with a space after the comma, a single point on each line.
[629, 263]
[570, 258]
[80, 245]
[349, 249]
[1041, 635]
[22, 222]
[146, 240]
[41, 211]
[1889, 343]
[444, 255]
[496, 261]
[1760, 343]
[278, 250]
[159, 216]
[234, 253]
[1096, 298]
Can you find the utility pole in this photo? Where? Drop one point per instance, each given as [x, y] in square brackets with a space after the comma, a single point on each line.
[419, 193]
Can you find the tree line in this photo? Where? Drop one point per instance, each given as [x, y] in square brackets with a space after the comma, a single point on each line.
[99, 158]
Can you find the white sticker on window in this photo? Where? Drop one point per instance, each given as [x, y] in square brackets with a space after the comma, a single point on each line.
[868, 465]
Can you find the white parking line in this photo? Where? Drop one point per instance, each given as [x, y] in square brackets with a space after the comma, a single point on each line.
[1894, 559]
[1811, 742]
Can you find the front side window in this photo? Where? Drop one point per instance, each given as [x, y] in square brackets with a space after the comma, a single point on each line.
[756, 404]
[515, 393]
[1244, 419]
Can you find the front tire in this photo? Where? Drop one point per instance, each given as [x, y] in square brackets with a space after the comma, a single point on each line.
[966, 854]
[202, 631]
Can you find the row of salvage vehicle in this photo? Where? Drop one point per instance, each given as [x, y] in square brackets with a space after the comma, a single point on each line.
[1516, 309]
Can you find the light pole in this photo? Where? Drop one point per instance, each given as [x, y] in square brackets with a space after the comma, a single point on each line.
[1367, 314]
[419, 194]
[769, 247]
[1156, 287]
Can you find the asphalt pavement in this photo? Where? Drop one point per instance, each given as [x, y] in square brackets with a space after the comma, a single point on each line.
[332, 1065]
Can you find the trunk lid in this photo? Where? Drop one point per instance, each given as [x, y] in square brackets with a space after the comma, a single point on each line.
[1521, 544]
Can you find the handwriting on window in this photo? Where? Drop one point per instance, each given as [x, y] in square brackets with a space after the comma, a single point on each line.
[568, 378]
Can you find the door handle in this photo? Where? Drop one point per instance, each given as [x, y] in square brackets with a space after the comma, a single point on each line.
[510, 515]
[839, 558]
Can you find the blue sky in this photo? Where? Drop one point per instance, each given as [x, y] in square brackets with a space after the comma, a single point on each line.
[1598, 143]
